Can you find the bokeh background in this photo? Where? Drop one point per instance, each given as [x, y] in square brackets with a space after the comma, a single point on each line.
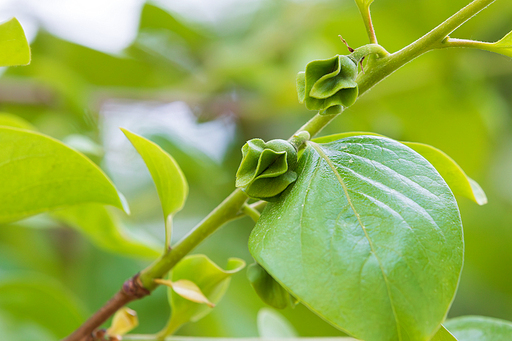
[200, 78]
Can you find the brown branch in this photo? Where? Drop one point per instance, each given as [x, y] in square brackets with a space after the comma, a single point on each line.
[132, 290]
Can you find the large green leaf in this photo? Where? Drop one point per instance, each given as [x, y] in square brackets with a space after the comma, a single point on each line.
[452, 173]
[369, 238]
[170, 182]
[14, 48]
[212, 280]
[41, 301]
[104, 230]
[479, 328]
[40, 174]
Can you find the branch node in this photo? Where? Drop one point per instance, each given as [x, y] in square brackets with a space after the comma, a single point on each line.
[133, 288]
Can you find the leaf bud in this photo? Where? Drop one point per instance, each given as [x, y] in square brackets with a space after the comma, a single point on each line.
[267, 168]
[124, 320]
[328, 84]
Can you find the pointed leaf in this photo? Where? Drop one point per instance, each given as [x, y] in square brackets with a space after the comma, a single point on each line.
[479, 328]
[272, 325]
[103, 228]
[14, 48]
[372, 223]
[188, 290]
[211, 280]
[169, 180]
[452, 173]
[44, 174]
[443, 335]
[504, 45]
[13, 121]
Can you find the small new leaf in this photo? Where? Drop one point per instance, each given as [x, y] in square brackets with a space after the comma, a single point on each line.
[124, 320]
[169, 180]
[188, 290]
[14, 48]
[211, 280]
[504, 45]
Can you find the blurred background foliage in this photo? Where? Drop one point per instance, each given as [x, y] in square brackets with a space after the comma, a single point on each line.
[200, 78]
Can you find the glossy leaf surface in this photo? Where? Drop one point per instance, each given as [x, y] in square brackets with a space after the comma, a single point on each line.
[212, 280]
[169, 180]
[14, 48]
[372, 223]
[44, 174]
[102, 227]
[452, 173]
[479, 328]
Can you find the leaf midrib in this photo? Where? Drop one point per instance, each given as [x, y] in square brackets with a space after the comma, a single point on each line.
[321, 153]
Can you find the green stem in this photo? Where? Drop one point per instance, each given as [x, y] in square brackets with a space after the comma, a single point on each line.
[367, 19]
[454, 42]
[369, 49]
[226, 211]
[251, 212]
[387, 65]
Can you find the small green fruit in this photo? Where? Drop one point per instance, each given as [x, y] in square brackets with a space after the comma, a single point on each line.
[267, 168]
[328, 84]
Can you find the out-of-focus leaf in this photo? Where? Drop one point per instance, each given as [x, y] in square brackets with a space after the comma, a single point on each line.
[14, 48]
[169, 180]
[479, 328]
[452, 173]
[443, 335]
[44, 174]
[272, 325]
[188, 290]
[212, 280]
[97, 223]
[459, 182]
[83, 144]
[41, 301]
[372, 223]
[124, 320]
[9, 120]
